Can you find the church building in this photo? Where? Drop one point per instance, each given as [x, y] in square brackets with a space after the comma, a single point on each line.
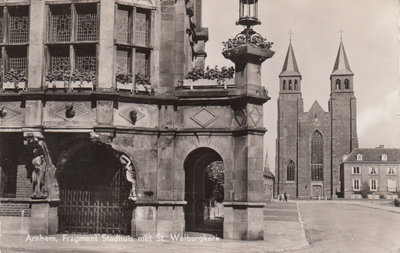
[310, 144]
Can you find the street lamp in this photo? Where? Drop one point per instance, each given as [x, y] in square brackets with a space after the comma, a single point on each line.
[248, 13]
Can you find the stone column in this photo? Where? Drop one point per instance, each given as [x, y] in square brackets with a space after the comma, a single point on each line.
[248, 59]
[106, 45]
[243, 213]
[36, 36]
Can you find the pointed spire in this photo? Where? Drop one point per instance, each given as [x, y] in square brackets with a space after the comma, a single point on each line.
[290, 67]
[342, 66]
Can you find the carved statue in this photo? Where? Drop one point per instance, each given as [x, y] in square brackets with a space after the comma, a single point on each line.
[38, 175]
[44, 183]
[130, 175]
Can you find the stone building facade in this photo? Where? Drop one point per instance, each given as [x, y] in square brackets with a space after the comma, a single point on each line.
[310, 144]
[268, 186]
[93, 94]
[378, 168]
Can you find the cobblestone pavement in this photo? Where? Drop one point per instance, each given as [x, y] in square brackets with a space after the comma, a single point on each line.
[283, 232]
[351, 226]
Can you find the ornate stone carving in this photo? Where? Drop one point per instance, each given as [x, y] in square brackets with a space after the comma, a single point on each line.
[3, 112]
[241, 117]
[204, 117]
[133, 116]
[69, 111]
[102, 137]
[6, 113]
[130, 175]
[256, 115]
[262, 91]
[43, 180]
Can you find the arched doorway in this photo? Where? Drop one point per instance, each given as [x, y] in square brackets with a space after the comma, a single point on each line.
[204, 191]
[93, 191]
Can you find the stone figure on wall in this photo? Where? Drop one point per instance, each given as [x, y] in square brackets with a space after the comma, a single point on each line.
[38, 175]
[43, 180]
[130, 175]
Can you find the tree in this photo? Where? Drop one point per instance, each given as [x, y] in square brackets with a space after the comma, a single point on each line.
[215, 175]
[364, 190]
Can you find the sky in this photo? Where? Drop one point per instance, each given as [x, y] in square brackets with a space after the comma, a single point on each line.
[371, 40]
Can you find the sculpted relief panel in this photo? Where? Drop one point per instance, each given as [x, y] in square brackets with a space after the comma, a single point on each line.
[69, 114]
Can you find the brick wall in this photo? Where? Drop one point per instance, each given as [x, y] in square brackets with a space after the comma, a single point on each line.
[24, 186]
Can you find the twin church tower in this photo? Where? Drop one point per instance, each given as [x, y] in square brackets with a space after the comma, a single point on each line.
[310, 145]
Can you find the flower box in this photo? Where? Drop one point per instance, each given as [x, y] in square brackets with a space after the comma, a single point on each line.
[57, 84]
[143, 88]
[82, 85]
[206, 83]
[14, 85]
[125, 86]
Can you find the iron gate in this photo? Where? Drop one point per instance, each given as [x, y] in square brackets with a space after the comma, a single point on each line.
[78, 214]
[98, 210]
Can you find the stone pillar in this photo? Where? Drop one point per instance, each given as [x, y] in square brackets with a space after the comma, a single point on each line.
[162, 218]
[36, 36]
[243, 213]
[106, 45]
[44, 219]
[248, 59]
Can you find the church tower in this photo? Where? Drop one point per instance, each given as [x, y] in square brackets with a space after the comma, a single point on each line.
[290, 106]
[342, 107]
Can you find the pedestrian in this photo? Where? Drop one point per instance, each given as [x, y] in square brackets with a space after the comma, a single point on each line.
[285, 196]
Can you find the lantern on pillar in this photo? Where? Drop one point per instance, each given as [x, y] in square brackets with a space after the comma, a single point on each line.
[248, 13]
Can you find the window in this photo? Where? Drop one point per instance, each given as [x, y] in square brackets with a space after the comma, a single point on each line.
[391, 171]
[295, 84]
[338, 84]
[317, 156]
[356, 184]
[284, 85]
[373, 184]
[290, 84]
[71, 46]
[384, 157]
[290, 171]
[356, 170]
[373, 171]
[347, 84]
[359, 157]
[9, 161]
[392, 185]
[133, 48]
[14, 35]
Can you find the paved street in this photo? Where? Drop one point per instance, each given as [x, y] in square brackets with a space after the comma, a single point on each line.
[330, 226]
[343, 227]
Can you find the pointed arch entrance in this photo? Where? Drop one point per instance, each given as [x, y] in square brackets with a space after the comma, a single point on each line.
[204, 191]
[93, 191]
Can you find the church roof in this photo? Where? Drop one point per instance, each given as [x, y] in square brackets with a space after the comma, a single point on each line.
[290, 67]
[342, 66]
[316, 108]
[374, 155]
